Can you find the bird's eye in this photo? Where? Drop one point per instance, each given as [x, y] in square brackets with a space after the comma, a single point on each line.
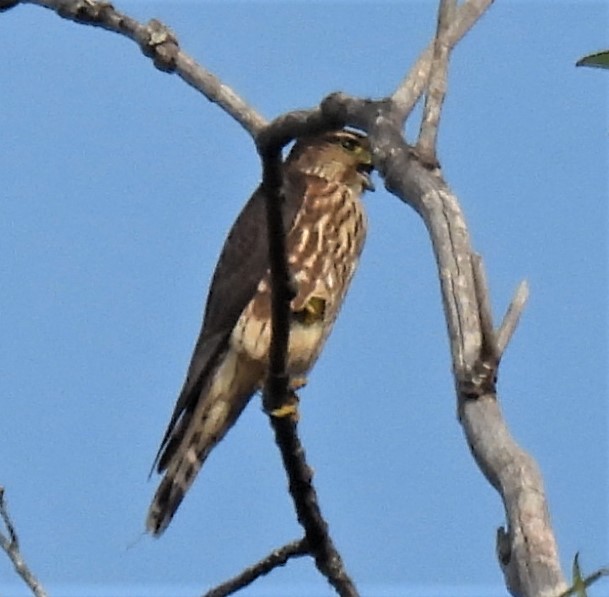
[349, 144]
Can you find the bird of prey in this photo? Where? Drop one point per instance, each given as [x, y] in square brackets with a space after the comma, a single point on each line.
[323, 179]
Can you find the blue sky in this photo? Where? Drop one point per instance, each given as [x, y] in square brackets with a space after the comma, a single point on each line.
[119, 184]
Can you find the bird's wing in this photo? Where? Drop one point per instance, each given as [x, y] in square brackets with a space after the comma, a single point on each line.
[242, 264]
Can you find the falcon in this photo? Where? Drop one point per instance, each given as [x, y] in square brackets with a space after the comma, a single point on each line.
[323, 180]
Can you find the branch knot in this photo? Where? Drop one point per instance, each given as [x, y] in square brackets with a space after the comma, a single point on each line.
[161, 44]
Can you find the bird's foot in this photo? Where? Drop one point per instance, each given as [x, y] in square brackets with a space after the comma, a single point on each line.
[288, 409]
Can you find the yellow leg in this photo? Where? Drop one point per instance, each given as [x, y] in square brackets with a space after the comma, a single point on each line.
[288, 409]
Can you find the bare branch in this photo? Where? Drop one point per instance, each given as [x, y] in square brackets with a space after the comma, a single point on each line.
[300, 476]
[299, 123]
[276, 558]
[436, 88]
[270, 142]
[512, 317]
[277, 392]
[531, 566]
[412, 87]
[160, 44]
[489, 351]
[528, 551]
[10, 545]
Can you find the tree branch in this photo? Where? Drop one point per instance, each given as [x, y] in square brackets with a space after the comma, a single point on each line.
[414, 85]
[276, 558]
[531, 565]
[512, 316]
[160, 44]
[277, 392]
[436, 89]
[527, 552]
[10, 544]
[270, 142]
[489, 349]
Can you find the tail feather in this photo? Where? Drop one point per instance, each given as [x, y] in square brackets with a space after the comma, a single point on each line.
[212, 425]
[171, 492]
[215, 413]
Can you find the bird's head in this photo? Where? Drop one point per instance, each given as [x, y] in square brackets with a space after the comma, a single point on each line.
[342, 156]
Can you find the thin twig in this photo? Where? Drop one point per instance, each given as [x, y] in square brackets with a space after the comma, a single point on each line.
[436, 88]
[412, 87]
[512, 317]
[488, 351]
[327, 559]
[276, 558]
[10, 545]
[276, 391]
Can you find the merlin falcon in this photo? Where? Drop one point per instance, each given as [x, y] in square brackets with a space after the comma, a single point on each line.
[323, 180]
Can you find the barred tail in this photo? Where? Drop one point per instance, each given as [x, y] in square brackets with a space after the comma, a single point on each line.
[205, 431]
[196, 436]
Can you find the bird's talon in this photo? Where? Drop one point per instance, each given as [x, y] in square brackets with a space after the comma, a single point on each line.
[289, 409]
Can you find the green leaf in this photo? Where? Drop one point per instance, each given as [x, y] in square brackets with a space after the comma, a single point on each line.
[598, 60]
[580, 584]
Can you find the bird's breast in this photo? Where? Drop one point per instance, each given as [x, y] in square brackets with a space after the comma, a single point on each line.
[323, 249]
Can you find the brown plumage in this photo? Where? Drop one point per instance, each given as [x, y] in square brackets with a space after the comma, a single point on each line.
[323, 180]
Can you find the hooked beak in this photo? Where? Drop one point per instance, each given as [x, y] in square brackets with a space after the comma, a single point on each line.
[365, 170]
